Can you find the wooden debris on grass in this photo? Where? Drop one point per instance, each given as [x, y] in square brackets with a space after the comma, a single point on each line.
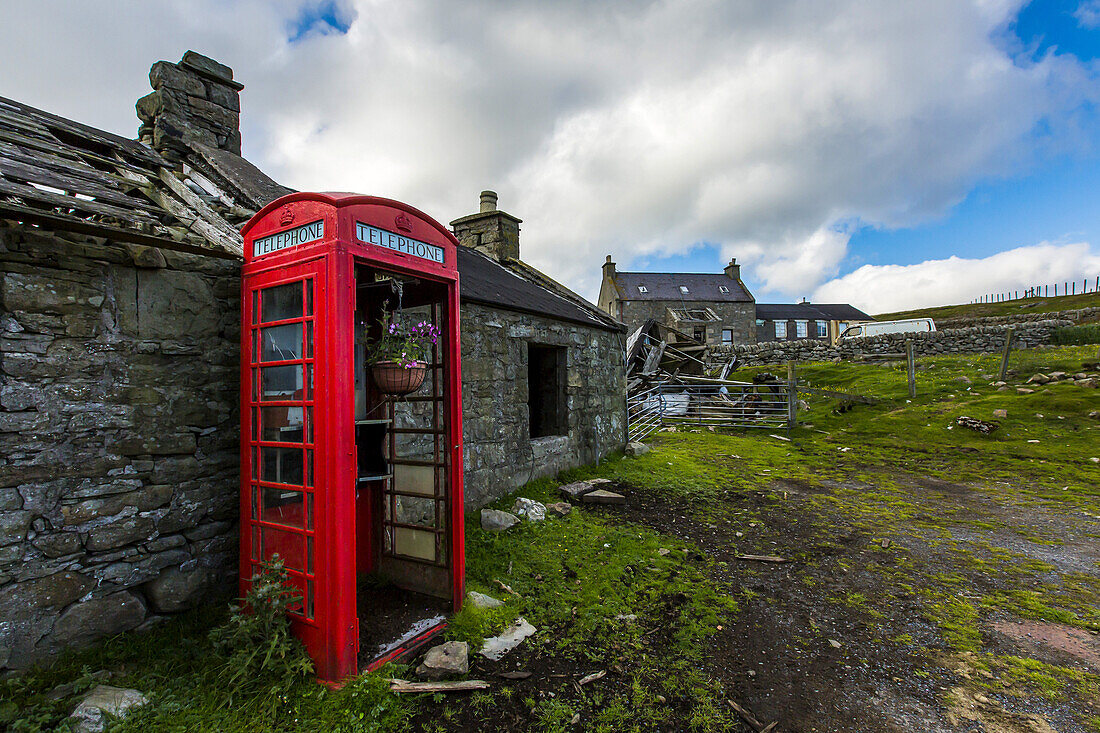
[763, 558]
[398, 685]
[749, 718]
[591, 677]
[983, 427]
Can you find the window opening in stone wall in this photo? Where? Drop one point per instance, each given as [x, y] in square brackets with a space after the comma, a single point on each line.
[546, 390]
[781, 329]
[727, 336]
[822, 329]
[801, 329]
[700, 334]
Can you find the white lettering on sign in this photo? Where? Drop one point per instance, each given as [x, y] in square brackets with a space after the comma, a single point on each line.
[290, 238]
[389, 240]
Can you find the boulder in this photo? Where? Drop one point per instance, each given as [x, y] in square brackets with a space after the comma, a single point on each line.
[635, 449]
[1000, 413]
[559, 509]
[83, 623]
[177, 590]
[530, 509]
[480, 600]
[445, 660]
[90, 716]
[495, 520]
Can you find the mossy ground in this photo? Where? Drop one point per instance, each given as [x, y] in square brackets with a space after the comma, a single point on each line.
[908, 538]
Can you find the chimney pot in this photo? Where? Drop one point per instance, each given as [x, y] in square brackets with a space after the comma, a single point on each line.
[488, 201]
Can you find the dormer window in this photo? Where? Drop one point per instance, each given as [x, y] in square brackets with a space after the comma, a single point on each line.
[683, 289]
[643, 289]
[723, 289]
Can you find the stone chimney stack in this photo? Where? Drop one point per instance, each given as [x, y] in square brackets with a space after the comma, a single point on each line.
[733, 270]
[608, 268]
[490, 231]
[195, 100]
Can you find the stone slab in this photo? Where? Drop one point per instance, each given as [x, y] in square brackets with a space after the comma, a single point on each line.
[600, 496]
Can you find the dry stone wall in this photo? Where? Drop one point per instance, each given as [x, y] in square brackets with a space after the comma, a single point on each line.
[955, 341]
[119, 436]
[1077, 314]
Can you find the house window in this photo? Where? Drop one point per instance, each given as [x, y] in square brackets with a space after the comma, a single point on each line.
[700, 333]
[683, 289]
[801, 329]
[723, 289]
[781, 329]
[643, 289]
[727, 335]
[822, 329]
[759, 322]
[546, 390]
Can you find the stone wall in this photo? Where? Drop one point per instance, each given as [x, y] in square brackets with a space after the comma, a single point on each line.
[964, 340]
[499, 452]
[739, 317]
[119, 435]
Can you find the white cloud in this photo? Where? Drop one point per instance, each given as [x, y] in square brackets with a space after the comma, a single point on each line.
[763, 127]
[1088, 13]
[889, 288]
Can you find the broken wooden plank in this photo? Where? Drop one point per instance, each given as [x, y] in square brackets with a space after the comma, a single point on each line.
[102, 190]
[763, 558]
[591, 677]
[399, 685]
[30, 193]
[749, 718]
[201, 207]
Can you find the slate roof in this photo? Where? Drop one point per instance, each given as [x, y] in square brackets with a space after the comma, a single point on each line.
[484, 280]
[67, 176]
[809, 312]
[702, 287]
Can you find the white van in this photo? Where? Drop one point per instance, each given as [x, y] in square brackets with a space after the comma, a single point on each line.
[877, 328]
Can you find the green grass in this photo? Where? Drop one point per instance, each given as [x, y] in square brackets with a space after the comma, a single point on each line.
[1011, 307]
[1076, 335]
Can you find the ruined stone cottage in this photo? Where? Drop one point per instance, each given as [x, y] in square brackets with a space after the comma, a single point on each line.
[119, 360]
[711, 308]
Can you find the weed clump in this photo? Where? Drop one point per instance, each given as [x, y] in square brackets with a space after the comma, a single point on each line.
[256, 641]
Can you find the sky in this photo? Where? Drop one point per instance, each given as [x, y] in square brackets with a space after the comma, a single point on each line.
[889, 155]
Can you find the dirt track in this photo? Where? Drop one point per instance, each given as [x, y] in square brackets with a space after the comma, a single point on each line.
[890, 668]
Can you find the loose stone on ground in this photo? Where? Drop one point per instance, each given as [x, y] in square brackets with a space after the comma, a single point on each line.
[445, 660]
[480, 600]
[90, 716]
[494, 520]
[600, 496]
[531, 510]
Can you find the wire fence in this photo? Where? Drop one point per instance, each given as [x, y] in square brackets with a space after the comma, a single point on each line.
[1068, 287]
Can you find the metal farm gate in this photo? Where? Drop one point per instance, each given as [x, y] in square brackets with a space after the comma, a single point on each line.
[699, 401]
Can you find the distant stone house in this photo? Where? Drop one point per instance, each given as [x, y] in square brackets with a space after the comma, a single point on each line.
[711, 308]
[790, 321]
[119, 357]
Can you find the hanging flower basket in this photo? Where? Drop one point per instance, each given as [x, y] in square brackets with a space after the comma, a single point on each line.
[397, 378]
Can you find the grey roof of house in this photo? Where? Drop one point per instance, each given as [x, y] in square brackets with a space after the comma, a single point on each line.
[486, 281]
[809, 312]
[702, 287]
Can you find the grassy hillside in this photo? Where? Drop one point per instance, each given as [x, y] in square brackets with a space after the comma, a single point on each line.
[1023, 305]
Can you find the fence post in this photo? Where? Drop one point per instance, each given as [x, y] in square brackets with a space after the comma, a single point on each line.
[1009, 335]
[911, 367]
[792, 396]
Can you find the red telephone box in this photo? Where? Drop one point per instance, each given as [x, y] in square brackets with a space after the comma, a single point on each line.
[359, 492]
